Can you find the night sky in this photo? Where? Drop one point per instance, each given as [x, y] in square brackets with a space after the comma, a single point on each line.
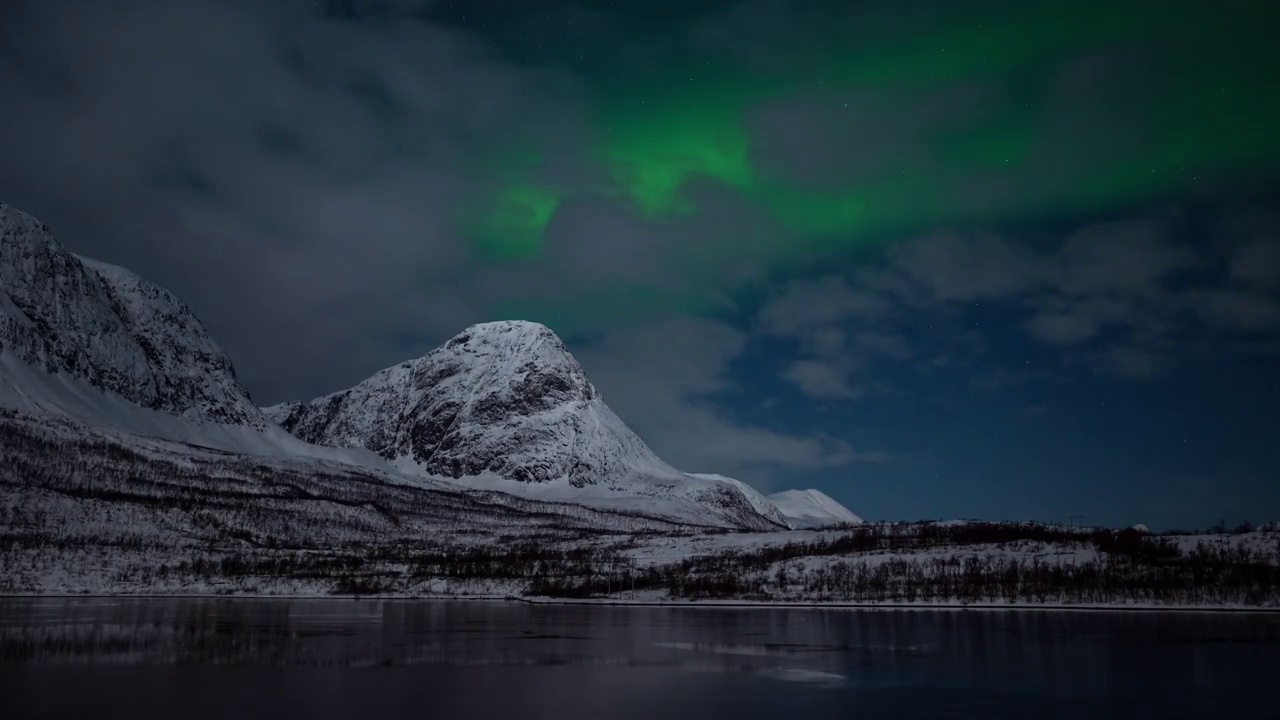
[1010, 260]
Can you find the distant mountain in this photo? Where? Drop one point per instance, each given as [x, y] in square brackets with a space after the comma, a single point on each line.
[506, 406]
[812, 509]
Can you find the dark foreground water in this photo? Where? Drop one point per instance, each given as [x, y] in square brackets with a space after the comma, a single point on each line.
[246, 659]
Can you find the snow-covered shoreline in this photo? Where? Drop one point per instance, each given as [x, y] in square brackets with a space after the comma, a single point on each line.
[696, 604]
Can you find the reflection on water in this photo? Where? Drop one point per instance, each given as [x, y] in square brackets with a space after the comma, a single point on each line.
[69, 657]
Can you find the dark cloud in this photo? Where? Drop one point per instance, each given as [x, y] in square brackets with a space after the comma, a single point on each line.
[595, 240]
[294, 175]
[591, 233]
[951, 267]
[295, 172]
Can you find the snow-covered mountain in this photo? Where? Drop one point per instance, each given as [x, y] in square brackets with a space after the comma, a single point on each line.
[506, 406]
[107, 328]
[812, 509]
[502, 406]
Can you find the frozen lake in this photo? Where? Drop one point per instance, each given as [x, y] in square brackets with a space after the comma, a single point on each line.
[204, 658]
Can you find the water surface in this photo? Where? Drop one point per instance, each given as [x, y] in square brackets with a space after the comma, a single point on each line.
[204, 658]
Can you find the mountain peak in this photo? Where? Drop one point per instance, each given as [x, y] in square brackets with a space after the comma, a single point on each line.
[505, 405]
[10, 215]
[501, 397]
[506, 330]
[515, 350]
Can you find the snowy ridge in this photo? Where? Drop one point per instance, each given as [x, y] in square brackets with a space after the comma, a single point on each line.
[506, 406]
[812, 509]
[105, 327]
[762, 505]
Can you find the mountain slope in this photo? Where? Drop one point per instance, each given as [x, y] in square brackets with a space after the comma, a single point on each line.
[505, 405]
[812, 509]
[105, 327]
[95, 342]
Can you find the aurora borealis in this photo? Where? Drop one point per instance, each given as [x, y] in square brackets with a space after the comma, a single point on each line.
[1007, 113]
[993, 258]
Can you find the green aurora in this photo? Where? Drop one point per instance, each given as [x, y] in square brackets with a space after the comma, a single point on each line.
[1194, 101]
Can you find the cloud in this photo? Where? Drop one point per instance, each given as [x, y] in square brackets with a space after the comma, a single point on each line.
[954, 267]
[1132, 257]
[1129, 298]
[880, 344]
[293, 175]
[1257, 263]
[1237, 309]
[820, 380]
[1247, 300]
[1132, 362]
[840, 330]
[1251, 240]
[591, 233]
[1063, 328]
[594, 240]
[1113, 283]
[1062, 319]
[805, 305]
[849, 327]
[662, 379]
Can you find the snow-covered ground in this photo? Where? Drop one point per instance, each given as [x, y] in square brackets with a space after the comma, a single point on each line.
[91, 511]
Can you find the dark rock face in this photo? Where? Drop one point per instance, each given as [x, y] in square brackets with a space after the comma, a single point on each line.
[110, 329]
[430, 429]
